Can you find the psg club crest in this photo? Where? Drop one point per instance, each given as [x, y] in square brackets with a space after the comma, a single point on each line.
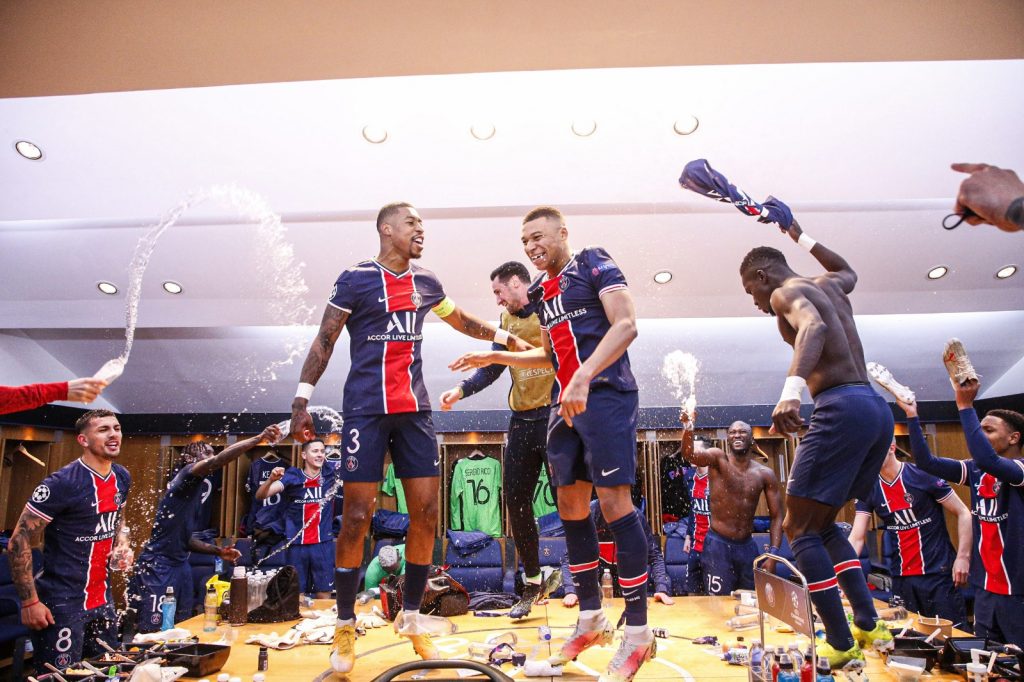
[63, 660]
[563, 283]
[41, 494]
[909, 498]
[351, 463]
[417, 299]
[118, 499]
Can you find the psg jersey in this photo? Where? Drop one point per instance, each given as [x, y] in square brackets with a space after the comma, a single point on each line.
[177, 517]
[265, 514]
[916, 541]
[385, 323]
[574, 318]
[82, 510]
[701, 507]
[305, 501]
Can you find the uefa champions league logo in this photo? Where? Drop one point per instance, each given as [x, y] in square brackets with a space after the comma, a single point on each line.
[41, 493]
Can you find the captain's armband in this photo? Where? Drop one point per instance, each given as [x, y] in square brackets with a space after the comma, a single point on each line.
[445, 308]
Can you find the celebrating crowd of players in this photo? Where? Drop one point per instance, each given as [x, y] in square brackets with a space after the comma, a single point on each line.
[574, 407]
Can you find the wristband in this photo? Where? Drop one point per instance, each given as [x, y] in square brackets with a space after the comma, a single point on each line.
[793, 389]
[805, 241]
[31, 603]
[773, 550]
[304, 391]
[501, 337]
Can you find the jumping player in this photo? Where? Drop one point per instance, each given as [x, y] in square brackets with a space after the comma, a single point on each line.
[384, 302]
[851, 427]
[303, 492]
[995, 474]
[925, 569]
[586, 312]
[163, 562]
[738, 482]
[530, 400]
[77, 509]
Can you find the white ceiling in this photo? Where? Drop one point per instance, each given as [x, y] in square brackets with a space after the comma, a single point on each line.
[860, 151]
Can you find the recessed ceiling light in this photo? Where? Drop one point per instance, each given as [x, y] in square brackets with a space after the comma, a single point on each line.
[1007, 271]
[172, 287]
[663, 277]
[28, 150]
[937, 272]
[482, 131]
[374, 134]
[107, 288]
[584, 127]
[685, 125]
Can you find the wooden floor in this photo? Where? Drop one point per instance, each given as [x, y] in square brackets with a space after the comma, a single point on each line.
[677, 659]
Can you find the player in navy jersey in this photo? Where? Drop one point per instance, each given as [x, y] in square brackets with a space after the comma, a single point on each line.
[587, 314]
[77, 510]
[925, 569]
[850, 431]
[307, 516]
[383, 302]
[163, 562]
[995, 475]
[265, 518]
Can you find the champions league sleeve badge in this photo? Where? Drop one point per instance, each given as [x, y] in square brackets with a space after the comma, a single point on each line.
[41, 493]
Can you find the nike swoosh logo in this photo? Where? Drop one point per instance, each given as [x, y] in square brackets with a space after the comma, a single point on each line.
[609, 473]
[437, 461]
[382, 300]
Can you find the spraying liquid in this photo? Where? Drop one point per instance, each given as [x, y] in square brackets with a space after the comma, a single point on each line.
[681, 370]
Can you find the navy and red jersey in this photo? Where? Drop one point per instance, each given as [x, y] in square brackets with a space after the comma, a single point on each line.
[701, 509]
[385, 323]
[909, 506]
[82, 509]
[177, 517]
[303, 500]
[265, 514]
[574, 318]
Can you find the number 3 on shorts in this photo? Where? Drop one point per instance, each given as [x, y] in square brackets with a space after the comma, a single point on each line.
[354, 447]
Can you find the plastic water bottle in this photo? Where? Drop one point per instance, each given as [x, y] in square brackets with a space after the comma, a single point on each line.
[218, 565]
[786, 671]
[824, 672]
[167, 609]
[210, 609]
[606, 587]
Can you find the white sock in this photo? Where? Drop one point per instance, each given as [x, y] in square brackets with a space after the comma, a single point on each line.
[638, 634]
[349, 621]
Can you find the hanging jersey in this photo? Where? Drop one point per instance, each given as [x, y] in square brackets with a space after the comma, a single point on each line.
[82, 510]
[176, 519]
[385, 323]
[916, 541]
[393, 486]
[268, 513]
[700, 494]
[997, 507]
[574, 318]
[475, 495]
[211, 484]
[543, 496]
[306, 504]
[675, 488]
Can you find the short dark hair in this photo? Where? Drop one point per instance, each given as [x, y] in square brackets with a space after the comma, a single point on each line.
[389, 210]
[1014, 419]
[305, 446]
[762, 257]
[83, 422]
[505, 271]
[544, 212]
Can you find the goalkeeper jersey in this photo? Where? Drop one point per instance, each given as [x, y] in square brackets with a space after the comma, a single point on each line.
[543, 496]
[475, 495]
[393, 486]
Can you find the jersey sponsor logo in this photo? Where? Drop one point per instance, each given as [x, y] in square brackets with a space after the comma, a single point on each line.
[41, 493]
[351, 463]
[401, 327]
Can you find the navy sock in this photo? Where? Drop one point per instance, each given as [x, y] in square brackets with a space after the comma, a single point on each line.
[814, 562]
[851, 577]
[346, 585]
[415, 583]
[631, 559]
[581, 545]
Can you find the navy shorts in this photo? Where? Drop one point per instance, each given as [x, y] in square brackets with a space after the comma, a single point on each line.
[72, 637]
[408, 436]
[600, 447]
[315, 566]
[695, 574]
[147, 588]
[728, 565]
[999, 616]
[840, 456]
[931, 595]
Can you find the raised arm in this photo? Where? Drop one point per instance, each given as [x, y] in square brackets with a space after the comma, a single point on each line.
[534, 357]
[952, 470]
[28, 533]
[838, 269]
[471, 325]
[319, 355]
[205, 467]
[1008, 470]
[272, 486]
[702, 456]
